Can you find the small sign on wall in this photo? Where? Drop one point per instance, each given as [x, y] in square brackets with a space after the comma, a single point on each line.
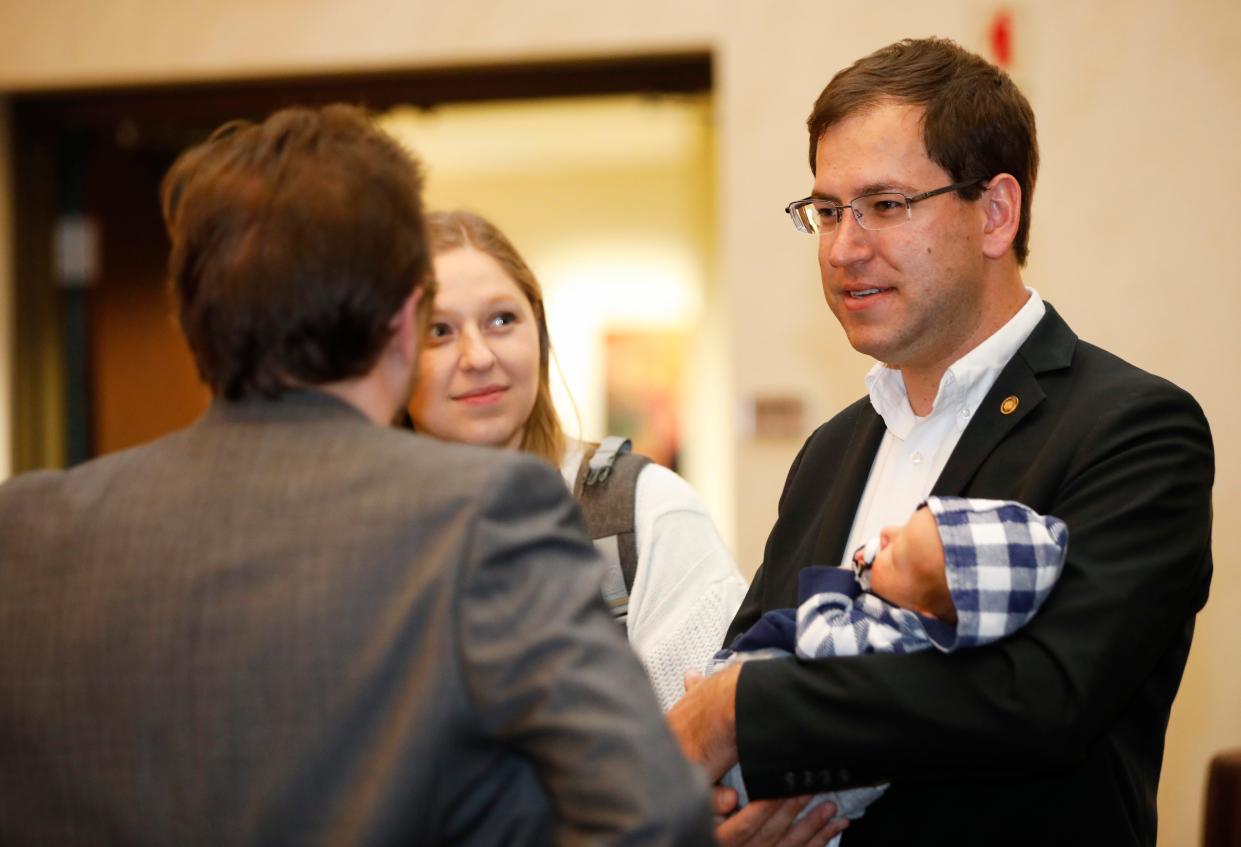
[774, 416]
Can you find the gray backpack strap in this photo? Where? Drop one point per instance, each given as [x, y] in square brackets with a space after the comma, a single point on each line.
[605, 488]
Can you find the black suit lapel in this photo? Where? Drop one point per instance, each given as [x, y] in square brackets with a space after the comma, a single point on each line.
[1049, 347]
[848, 480]
[1016, 393]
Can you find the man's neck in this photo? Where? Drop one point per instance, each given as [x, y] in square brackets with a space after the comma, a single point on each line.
[922, 381]
[369, 394]
[922, 388]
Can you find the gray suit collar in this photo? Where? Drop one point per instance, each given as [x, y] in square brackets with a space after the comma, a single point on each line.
[293, 405]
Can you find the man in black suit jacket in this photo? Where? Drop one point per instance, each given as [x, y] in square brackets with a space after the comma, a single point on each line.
[924, 159]
[291, 623]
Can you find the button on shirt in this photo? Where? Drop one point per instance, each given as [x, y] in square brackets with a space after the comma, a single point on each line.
[915, 449]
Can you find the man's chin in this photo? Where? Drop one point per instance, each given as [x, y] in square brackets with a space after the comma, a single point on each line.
[865, 341]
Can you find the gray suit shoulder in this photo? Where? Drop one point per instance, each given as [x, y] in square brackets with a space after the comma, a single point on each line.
[481, 471]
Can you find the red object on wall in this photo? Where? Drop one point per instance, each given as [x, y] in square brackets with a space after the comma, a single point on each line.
[1000, 36]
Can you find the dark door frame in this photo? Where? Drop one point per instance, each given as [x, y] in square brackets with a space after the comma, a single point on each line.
[55, 132]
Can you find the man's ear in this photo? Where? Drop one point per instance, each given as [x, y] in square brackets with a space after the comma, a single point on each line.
[406, 326]
[1002, 209]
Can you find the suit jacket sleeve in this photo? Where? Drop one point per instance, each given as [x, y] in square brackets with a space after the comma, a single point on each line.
[1132, 479]
[552, 675]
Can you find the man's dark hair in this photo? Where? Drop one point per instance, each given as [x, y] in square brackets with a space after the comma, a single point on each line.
[977, 123]
[294, 244]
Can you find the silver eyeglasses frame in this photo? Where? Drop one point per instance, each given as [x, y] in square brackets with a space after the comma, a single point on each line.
[809, 213]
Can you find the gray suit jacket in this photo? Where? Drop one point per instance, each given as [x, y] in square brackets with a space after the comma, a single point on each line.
[287, 625]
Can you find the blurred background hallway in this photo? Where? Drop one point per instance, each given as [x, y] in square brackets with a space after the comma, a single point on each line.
[640, 155]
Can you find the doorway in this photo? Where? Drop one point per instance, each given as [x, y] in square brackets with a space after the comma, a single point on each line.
[614, 156]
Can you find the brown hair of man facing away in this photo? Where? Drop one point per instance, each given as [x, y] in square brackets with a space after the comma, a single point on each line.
[977, 123]
[294, 242]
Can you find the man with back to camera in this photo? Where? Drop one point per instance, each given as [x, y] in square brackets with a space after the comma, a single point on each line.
[924, 160]
[290, 623]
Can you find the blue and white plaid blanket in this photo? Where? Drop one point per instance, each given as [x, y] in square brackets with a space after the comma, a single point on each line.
[1001, 559]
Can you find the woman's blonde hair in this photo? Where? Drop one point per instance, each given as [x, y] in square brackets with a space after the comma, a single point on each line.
[542, 435]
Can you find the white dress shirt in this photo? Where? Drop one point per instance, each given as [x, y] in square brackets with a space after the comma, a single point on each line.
[915, 449]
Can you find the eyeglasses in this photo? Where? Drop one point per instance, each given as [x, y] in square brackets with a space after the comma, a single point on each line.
[881, 210]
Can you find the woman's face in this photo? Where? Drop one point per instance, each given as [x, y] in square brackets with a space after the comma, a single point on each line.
[478, 371]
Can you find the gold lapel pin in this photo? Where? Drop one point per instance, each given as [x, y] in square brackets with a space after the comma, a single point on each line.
[1009, 405]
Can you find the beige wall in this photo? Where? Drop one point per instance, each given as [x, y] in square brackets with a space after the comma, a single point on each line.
[1137, 106]
[80, 42]
[1153, 114]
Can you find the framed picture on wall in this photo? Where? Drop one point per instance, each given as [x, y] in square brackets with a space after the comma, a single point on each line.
[644, 369]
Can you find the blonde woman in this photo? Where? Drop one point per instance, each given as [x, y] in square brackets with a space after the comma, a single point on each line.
[483, 379]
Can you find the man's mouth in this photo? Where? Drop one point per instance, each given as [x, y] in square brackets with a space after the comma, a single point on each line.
[865, 292]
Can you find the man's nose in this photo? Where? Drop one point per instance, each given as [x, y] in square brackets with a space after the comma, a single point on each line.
[850, 243]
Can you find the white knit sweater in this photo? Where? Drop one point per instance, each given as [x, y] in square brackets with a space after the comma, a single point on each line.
[687, 587]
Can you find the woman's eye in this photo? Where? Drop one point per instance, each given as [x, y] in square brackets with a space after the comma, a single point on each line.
[500, 319]
[438, 330]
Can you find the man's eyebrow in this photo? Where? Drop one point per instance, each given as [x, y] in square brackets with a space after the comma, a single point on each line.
[882, 188]
[869, 188]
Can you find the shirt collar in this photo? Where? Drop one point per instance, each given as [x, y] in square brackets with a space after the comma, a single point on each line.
[967, 380]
